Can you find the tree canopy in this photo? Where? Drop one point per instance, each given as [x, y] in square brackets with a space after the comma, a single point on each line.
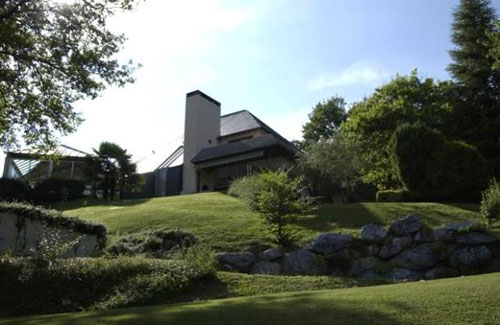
[51, 55]
[325, 119]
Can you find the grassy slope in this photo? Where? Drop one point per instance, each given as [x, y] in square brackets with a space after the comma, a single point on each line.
[228, 224]
[466, 300]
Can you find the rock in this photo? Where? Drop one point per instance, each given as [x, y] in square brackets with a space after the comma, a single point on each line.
[302, 262]
[405, 226]
[462, 225]
[371, 250]
[272, 254]
[330, 243]
[399, 274]
[361, 265]
[345, 254]
[373, 232]
[470, 257]
[266, 267]
[494, 266]
[475, 238]
[425, 236]
[239, 261]
[440, 272]
[334, 271]
[443, 234]
[395, 247]
[370, 275]
[420, 257]
[227, 268]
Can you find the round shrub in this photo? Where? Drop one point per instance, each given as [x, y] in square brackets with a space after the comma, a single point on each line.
[433, 168]
[490, 204]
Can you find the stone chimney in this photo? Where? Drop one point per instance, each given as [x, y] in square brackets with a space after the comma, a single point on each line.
[201, 129]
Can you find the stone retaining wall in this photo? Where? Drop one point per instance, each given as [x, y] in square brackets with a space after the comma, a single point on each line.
[407, 250]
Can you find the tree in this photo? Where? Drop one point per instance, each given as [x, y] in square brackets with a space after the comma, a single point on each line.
[325, 119]
[112, 169]
[332, 166]
[476, 112]
[275, 197]
[371, 122]
[51, 55]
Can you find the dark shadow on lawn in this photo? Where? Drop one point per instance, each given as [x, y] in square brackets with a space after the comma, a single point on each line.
[85, 203]
[300, 308]
[332, 216]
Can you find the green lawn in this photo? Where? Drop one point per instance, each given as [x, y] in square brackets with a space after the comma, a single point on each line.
[229, 225]
[465, 300]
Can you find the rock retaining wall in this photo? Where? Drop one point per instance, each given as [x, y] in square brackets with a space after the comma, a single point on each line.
[407, 250]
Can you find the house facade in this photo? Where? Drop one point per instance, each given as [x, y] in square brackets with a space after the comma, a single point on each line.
[218, 149]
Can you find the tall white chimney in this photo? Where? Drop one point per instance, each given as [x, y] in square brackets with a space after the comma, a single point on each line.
[201, 130]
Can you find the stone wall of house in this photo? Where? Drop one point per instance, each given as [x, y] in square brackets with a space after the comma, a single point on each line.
[406, 251]
[20, 236]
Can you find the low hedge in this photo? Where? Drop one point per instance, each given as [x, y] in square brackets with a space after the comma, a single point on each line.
[56, 219]
[69, 285]
[13, 189]
[55, 189]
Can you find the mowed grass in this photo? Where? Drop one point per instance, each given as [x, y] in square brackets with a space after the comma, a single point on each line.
[465, 300]
[227, 224]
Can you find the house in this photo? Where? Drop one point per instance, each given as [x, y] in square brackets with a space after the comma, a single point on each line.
[218, 149]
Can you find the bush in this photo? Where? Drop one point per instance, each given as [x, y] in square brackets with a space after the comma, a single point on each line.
[153, 243]
[246, 189]
[433, 168]
[70, 285]
[13, 190]
[55, 189]
[395, 196]
[490, 204]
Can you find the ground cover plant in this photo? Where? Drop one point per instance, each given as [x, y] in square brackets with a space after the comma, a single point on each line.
[465, 300]
[228, 224]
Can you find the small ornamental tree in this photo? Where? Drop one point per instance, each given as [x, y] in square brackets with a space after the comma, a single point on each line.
[278, 198]
[490, 204]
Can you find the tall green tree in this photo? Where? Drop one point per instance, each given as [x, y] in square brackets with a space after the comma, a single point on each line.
[325, 119]
[476, 113]
[371, 122]
[112, 170]
[51, 55]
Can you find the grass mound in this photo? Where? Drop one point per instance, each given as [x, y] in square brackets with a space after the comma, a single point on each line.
[465, 300]
[228, 225]
[92, 283]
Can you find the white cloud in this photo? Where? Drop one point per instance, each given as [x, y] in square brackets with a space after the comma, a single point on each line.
[359, 73]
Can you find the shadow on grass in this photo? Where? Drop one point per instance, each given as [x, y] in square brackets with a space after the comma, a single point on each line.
[333, 216]
[300, 308]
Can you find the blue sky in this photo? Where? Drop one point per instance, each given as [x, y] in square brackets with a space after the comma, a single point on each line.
[276, 58]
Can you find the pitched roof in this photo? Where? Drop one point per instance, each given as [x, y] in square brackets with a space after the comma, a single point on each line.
[242, 146]
[237, 122]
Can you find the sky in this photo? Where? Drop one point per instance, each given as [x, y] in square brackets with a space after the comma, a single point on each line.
[276, 58]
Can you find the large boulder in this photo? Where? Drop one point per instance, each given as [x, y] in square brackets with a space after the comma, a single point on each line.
[462, 225]
[439, 272]
[266, 267]
[239, 261]
[425, 236]
[470, 257]
[362, 265]
[396, 246]
[443, 234]
[399, 274]
[272, 254]
[330, 243]
[302, 262]
[373, 232]
[405, 226]
[420, 257]
[475, 238]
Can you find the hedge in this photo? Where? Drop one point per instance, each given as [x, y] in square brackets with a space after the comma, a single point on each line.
[55, 218]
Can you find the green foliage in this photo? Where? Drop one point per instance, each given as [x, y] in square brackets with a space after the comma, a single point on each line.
[13, 190]
[331, 165]
[51, 55]
[89, 283]
[55, 219]
[325, 119]
[153, 243]
[247, 189]
[55, 189]
[435, 169]
[112, 170]
[278, 197]
[490, 204]
[371, 122]
[395, 196]
[53, 243]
